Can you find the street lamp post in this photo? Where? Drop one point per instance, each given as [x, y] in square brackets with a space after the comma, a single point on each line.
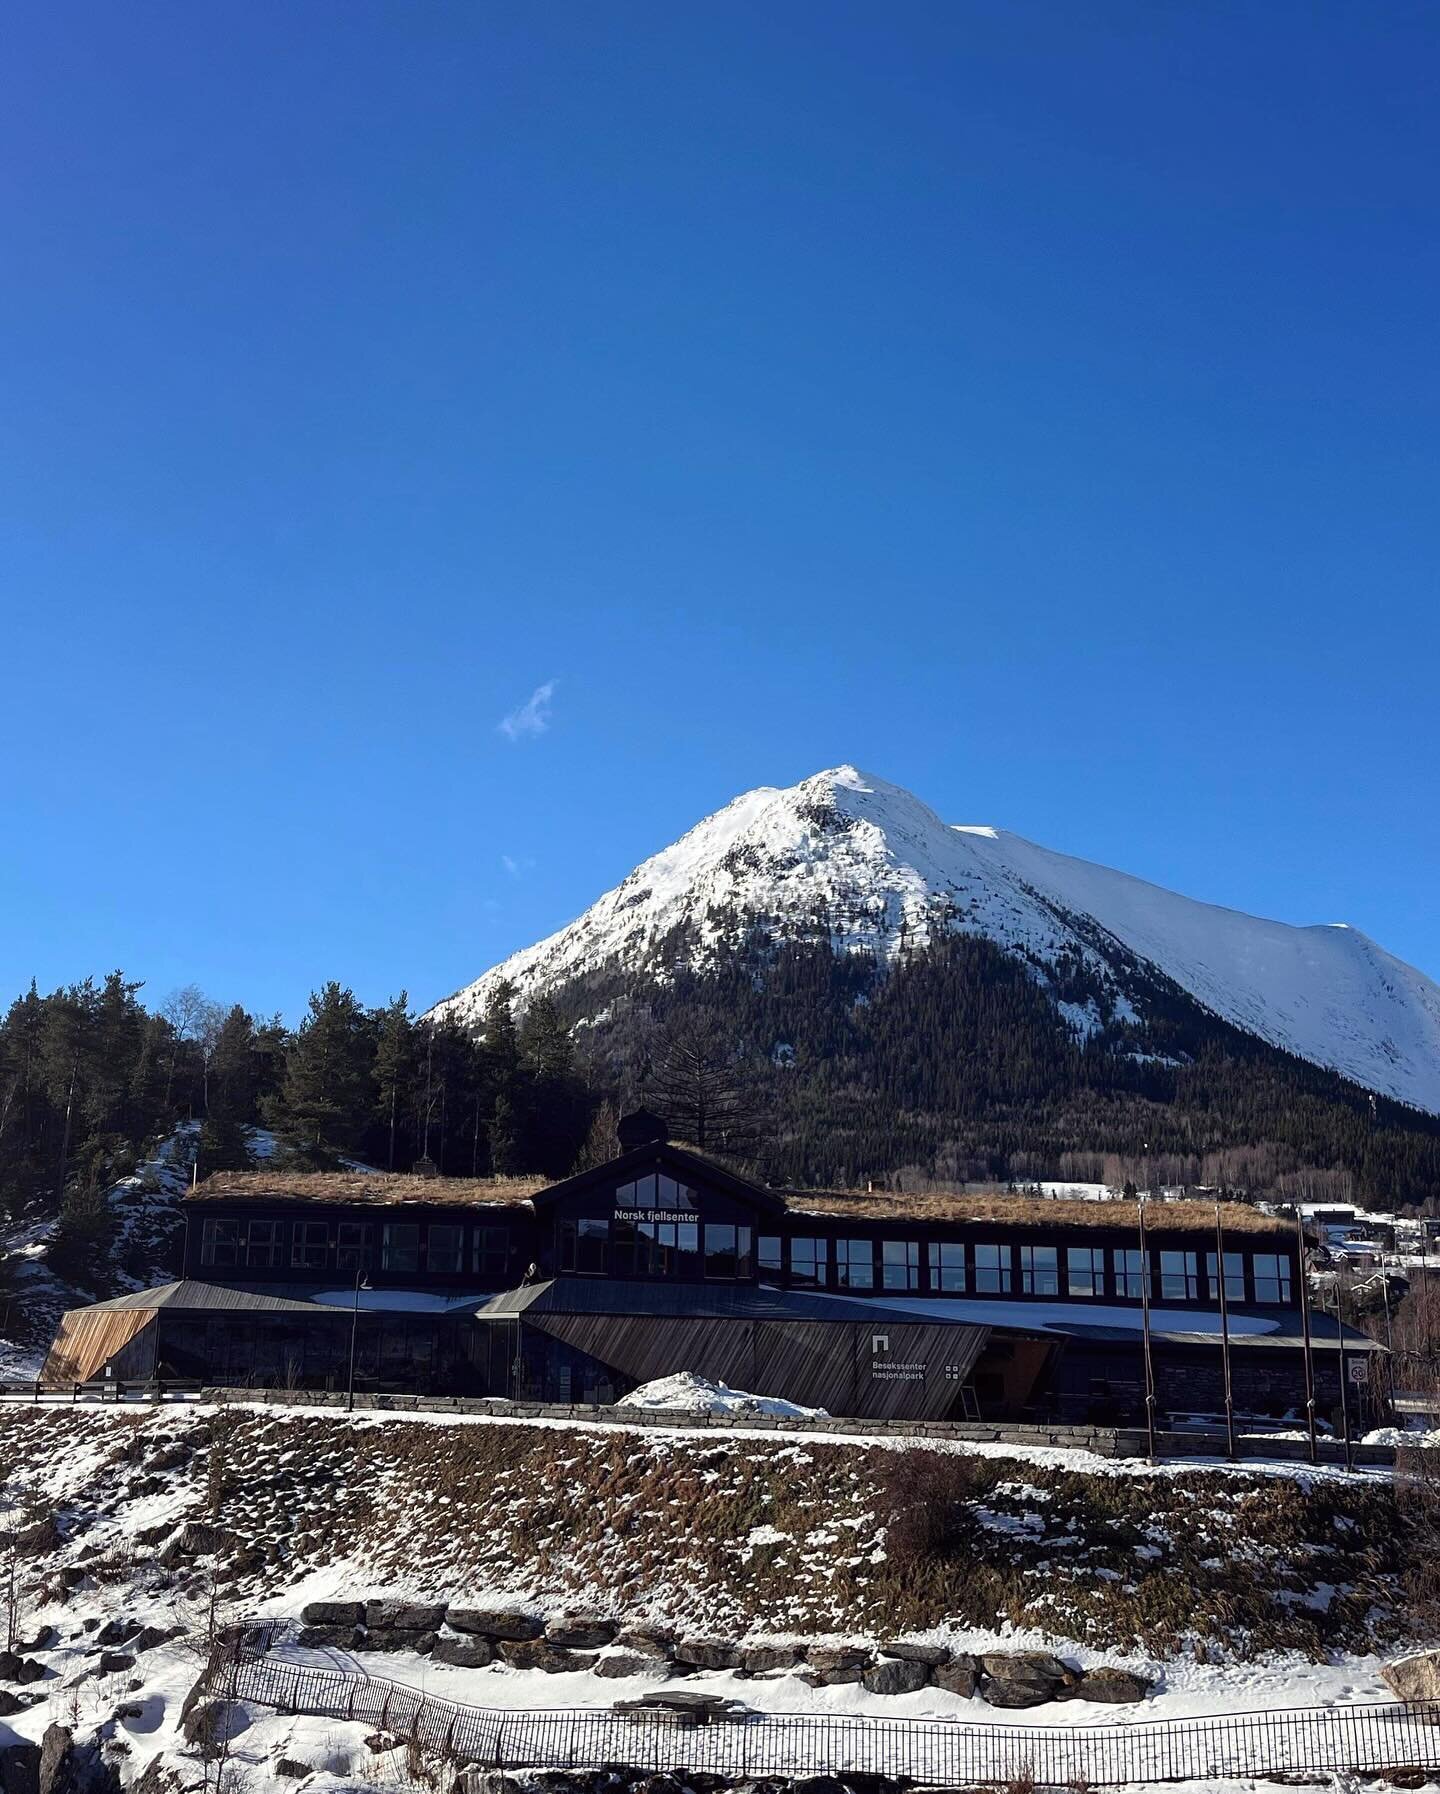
[1145, 1326]
[1224, 1334]
[361, 1282]
[1344, 1369]
[1308, 1346]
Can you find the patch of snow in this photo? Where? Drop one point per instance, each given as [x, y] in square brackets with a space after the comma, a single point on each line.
[690, 1394]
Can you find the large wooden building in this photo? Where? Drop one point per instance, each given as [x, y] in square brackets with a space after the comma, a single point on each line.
[913, 1307]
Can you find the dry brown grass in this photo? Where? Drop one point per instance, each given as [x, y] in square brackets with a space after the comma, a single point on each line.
[1033, 1211]
[753, 1533]
[514, 1193]
[376, 1187]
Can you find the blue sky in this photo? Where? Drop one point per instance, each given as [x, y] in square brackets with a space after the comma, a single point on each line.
[1034, 404]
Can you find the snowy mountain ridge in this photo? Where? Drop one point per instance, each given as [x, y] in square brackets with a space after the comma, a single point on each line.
[848, 857]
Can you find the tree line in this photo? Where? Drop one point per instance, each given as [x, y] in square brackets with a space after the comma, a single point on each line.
[809, 1065]
[89, 1077]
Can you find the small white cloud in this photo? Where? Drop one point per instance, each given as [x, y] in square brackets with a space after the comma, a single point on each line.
[516, 866]
[533, 716]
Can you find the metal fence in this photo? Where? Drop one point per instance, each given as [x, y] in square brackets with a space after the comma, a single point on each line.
[1319, 1741]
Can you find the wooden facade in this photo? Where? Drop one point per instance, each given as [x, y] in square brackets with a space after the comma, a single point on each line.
[662, 1260]
[88, 1340]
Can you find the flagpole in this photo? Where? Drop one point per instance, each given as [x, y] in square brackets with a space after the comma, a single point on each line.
[1224, 1334]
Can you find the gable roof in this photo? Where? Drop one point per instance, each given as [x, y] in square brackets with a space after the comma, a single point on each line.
[662, 1155]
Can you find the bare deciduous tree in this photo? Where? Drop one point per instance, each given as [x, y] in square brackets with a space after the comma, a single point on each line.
[700, 1084]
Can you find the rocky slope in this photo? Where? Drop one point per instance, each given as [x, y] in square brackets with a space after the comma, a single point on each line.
[140, 1532]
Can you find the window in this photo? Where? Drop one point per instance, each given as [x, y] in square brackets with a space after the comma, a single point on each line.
[855, 1264]
[947, 1266]
[444, 1248]
[679, 1243]
[630, 1243]
[727, 1250]
[1234, 1276]
[220, 1243]
[771, 1260]
[992, 1270]
[582, 1246]
[1179, 1276]
[590, 1241]
[266, 1245]
[400, 1246]
[1272, 1277]
[1039, 1271]
[352, 1245]
[808, 1262]
[1085, 1270]
[310, 1245]
[900, 1264]
[490, 1252]
[640, 1194]
[1129, 1278]
[655, 1190]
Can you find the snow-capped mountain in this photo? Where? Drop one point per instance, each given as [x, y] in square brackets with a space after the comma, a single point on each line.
[848, 856]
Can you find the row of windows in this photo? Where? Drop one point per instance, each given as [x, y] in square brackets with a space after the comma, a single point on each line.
[439, 1248]
[627, 1247]
[632, 1246]
[994, 1270]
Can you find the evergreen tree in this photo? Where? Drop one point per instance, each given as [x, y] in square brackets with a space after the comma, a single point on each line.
[327, 1079]
[233, 1078]
[504, 1138]
[543, 1042]
[393, 1070]
[500, 1037]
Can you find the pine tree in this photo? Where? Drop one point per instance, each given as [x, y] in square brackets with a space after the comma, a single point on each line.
[544, 1042]
[327, 1078]
[234, 1071]
[504, 1138]
[394, 1068]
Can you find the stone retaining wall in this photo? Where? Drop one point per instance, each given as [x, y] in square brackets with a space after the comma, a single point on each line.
[473, 1638]
[1109, 1442]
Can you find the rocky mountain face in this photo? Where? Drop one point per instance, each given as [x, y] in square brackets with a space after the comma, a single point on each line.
[845, 862]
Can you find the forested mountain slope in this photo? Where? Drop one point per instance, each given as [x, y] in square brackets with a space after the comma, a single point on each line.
[845, 859]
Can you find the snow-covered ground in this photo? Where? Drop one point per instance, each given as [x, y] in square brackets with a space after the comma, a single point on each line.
[144, 1228]
[130, 1472]
[891, 873]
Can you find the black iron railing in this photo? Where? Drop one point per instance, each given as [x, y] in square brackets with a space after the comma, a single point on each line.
[935, 1752]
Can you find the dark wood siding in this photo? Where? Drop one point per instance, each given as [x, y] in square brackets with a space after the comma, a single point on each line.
[885, 1371]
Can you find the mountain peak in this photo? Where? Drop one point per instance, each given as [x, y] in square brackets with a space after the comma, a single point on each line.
[862, 865]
